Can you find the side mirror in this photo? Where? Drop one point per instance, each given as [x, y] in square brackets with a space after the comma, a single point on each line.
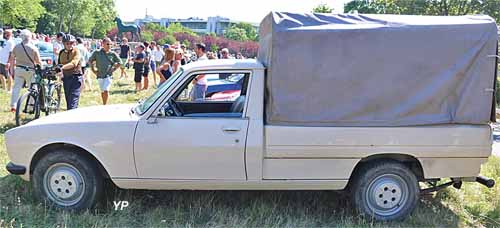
[153, 119]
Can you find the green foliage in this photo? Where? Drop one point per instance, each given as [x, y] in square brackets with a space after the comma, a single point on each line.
[214, 48]
[186, 43]
[178, 28]
[235, 33]
[169, 39]
[155, 27]
[20, 13]
[105, 14]
[426, 7]
[322, 8]
[147, 35]
[481, 203]
[81, 17]
[251, 32]
[242, 32]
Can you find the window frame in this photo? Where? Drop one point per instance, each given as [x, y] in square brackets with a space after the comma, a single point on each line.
[178, 89]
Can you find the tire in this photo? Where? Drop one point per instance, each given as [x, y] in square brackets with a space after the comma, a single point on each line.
[27, 108]
[385, 191]
[67, 180]
[54, 102]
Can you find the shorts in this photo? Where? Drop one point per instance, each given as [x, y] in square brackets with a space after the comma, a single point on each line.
[3, 71]
[146, 71]
[105, 83]
[153, 66]
[138, 76]
[124, 63]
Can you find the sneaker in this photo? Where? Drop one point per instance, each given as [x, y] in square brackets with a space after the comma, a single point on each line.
[12, 109]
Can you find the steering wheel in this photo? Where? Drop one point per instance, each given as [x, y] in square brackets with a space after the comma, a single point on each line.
[172, 109]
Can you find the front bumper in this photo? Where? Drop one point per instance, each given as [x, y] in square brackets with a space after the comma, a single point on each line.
[15, 169]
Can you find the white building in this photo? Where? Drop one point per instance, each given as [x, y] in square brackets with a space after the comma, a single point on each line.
[215, 25]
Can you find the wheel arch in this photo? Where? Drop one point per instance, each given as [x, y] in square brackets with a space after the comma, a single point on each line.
[408, 160]
[40, 153]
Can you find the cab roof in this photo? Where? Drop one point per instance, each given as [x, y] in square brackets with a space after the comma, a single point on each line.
[224, 64]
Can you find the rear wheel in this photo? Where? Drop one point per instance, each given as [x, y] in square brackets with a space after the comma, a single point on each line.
[27, 108]
[385, 190]
[67, 180]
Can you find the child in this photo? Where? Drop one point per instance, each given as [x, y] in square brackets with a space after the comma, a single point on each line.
[138, 66]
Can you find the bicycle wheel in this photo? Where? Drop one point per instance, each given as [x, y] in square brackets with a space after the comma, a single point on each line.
[54, 99]
[27, 109]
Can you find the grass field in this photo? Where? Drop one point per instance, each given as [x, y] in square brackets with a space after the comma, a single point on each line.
[473, 206]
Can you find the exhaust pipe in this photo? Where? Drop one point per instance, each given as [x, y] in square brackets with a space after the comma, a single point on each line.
[488, 182]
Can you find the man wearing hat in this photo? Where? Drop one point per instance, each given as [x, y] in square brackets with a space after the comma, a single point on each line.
[69, 62]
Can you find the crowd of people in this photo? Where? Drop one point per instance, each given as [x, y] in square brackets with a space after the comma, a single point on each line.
[76, 58]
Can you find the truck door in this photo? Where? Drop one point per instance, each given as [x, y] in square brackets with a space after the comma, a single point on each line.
[202, 138]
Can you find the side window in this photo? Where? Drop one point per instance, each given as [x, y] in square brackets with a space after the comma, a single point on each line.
[210, 95]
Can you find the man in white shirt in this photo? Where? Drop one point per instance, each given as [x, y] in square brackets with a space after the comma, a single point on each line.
[84, 56]
[58, 45]
[7, 47]
[199, 82]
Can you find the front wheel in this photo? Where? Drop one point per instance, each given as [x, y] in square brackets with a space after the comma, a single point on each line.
[54, 99]
[386, 191]
[67, 180]
[27, 109]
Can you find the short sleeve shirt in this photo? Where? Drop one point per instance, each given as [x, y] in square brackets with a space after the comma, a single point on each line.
[22, 58]
[139, 66]
[124, 49]
[7, 48]
[104, 62]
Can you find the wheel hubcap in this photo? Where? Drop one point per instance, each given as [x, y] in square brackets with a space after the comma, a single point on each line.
[387, 194]
[64, 184]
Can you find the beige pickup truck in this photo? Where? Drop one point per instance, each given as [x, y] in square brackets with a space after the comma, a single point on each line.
[247, 139]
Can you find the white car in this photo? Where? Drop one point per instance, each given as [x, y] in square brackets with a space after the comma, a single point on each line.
[171, 141]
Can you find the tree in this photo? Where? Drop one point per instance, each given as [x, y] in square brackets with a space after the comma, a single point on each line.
[168, 39]
[250, 31]
[81, 17]
[235, 33]
[178, 28]
[322, 8]
[21, 13]
[426, 7]
[241, 32]
[147, 36]
[104, 18]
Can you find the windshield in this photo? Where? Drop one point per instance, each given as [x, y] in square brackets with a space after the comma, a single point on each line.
[146, 104]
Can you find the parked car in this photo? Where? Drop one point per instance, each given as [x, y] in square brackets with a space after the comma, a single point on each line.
[46, 53]
[228, 85]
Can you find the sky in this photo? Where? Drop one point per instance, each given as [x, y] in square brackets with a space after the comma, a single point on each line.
[252, 11]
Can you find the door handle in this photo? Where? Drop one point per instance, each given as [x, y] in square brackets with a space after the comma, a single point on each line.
[231, 129]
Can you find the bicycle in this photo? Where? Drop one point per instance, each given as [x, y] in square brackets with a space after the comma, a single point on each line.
[43, 95]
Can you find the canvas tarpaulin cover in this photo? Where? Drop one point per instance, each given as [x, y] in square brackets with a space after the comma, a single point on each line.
[377, 70]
